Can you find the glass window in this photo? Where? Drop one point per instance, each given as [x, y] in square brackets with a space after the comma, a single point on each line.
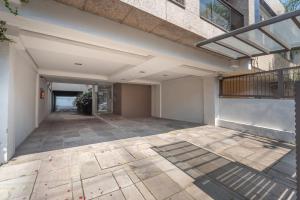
[221, 14]
[206, 8]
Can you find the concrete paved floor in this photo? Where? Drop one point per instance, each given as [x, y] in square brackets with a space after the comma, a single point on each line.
[81, 157]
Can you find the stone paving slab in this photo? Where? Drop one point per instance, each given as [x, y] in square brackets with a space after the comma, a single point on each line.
[82, 157]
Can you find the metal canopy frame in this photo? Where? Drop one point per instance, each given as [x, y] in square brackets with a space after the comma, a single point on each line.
[275, 35]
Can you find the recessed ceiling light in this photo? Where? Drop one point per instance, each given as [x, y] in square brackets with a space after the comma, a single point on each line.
[142, 72]
[78, 64]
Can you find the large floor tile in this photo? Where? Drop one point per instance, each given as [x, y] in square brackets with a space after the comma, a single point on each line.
[99, 185]
[162, 186]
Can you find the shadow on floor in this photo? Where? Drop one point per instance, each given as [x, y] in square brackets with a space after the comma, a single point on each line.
[224, 179]
[69, 129]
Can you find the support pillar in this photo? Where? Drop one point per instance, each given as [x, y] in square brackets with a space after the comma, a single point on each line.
[4, 100]
[297, 119]
[94, 99]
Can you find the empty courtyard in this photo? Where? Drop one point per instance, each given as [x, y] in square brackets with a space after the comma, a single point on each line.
[71, 156]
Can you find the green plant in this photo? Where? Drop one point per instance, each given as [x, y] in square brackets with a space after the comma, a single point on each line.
[3, 28]
[291, 5]
[83, 103]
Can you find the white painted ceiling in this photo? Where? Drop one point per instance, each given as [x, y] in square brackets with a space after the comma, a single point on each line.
[65, 62]
[57, 55]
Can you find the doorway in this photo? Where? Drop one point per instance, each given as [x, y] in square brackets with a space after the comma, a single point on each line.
[63, 101]
[105, 99]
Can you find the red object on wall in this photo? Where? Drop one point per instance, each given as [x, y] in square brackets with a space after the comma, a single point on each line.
[42, 93]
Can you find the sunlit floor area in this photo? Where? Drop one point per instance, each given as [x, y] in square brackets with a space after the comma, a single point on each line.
[110, 157]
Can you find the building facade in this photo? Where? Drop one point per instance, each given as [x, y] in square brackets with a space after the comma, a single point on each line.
[144, 50]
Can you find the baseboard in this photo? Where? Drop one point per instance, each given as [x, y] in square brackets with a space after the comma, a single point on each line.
[284, 136]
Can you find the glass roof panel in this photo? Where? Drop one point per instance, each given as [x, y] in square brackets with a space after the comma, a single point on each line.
[291, 37]
[256, 36]
[277, 34]
[222, 50]
[242, 46]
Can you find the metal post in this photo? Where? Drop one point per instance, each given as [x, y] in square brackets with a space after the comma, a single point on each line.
[297, 121]
[94, 100]
[280, 90]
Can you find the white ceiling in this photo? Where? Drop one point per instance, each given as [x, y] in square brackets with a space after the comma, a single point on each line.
[56, 60]
[65, 62]
[165, 75]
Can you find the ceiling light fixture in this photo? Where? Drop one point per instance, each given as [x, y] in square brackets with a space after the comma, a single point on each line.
[78, 64]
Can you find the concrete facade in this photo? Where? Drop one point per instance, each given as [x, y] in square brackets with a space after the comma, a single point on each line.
[159, 17]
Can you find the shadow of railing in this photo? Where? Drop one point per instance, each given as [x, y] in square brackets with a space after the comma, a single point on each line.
[224, 179]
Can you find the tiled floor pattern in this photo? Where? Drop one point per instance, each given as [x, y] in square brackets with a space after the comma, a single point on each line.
[225, 179]
[80, 157]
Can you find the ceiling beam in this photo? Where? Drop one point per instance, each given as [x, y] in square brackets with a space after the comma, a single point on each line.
[72, 75]
[296, 21]
[252, 44]
[232, 48]
[276, 39]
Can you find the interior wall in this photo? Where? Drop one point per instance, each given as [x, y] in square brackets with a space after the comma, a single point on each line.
[22, 108]
[69, 87]
[182, 99]
[155, 101]
[136, 100]
[132, 100]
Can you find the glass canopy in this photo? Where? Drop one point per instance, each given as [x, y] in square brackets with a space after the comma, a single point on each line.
[278, 34]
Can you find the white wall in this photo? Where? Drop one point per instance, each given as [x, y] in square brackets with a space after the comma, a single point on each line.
[4, 98]
[182, 99]
[273, 114]
[22, 101]
[69, 87]
[155, 101]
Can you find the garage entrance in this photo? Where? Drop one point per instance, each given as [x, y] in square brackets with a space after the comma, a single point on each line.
[63, 101]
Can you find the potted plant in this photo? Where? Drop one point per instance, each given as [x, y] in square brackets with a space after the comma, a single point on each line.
[83, 103]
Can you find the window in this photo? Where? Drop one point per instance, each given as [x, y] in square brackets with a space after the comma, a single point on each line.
[221, 14]
[180, 3]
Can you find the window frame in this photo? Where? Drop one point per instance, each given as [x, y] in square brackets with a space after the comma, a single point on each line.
[178, 4]
[231, 9]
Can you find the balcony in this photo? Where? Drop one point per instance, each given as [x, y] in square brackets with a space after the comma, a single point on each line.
[221, 14]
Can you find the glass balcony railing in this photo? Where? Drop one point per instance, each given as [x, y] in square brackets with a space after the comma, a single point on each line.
[221, 14]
